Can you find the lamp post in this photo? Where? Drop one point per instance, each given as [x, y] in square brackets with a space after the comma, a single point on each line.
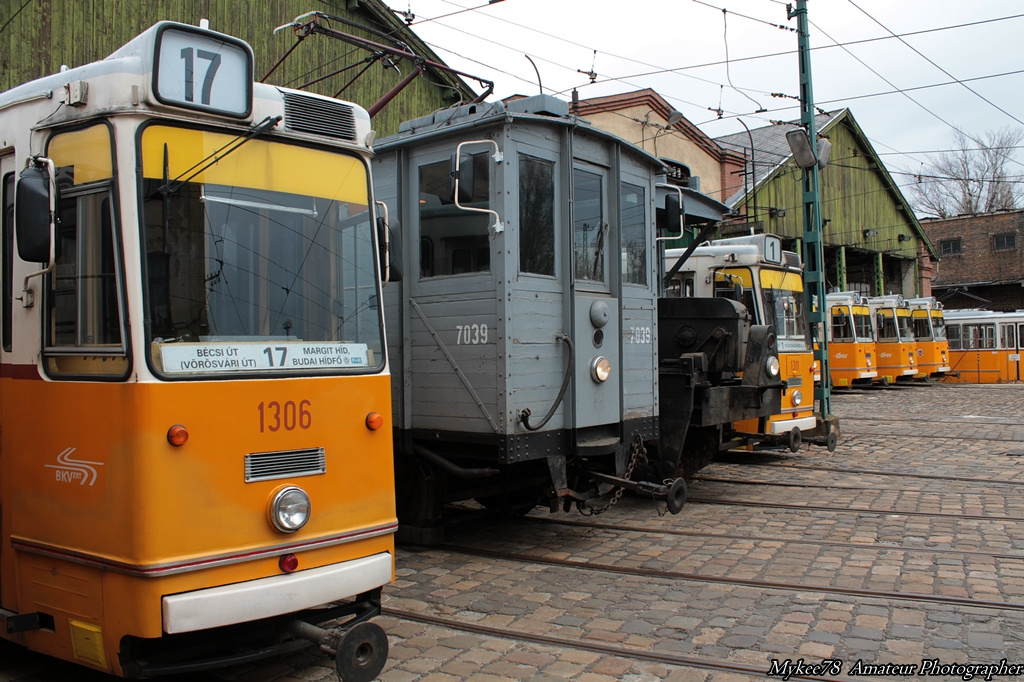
[803, 142]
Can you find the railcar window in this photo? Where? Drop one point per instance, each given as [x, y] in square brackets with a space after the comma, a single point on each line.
[939, 328]
[953, 335]
[728, 282]
[8, 259]
[632, 200]
[979, 336]
[842, 326]
[862, 325]
[906, 326]
[887, 330]
[459, 240]
[536, 216]
[922, 329]
[782, 297]
[84, 329]
[589, 229]
[1008, 336]
[253, 264]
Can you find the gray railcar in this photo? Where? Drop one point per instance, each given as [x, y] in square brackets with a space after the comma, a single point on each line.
[523, 336]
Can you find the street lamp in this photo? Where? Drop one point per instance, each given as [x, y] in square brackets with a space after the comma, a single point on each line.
[800, 145]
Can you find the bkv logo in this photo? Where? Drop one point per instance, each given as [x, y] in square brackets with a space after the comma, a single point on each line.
[74, 470]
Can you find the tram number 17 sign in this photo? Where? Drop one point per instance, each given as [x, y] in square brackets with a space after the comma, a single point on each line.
[198, 69]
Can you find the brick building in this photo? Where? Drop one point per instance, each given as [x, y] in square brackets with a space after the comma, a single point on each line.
[982, 264]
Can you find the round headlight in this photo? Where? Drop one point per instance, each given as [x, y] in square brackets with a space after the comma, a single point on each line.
[289, 509]
[772, 365]
[600, 369]
[798, 398]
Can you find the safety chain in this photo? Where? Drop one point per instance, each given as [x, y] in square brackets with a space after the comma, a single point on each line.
[639, 455]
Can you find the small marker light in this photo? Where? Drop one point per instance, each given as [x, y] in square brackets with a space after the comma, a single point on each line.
[288, 563]
[374, 421]
[177, 435]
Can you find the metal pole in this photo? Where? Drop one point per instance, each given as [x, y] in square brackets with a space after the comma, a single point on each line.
[814, 266]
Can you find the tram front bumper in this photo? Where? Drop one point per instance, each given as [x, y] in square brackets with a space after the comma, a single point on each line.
[274, 596]
[787, 425]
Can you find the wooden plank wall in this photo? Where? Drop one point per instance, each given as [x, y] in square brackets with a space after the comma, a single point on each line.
[42, 35]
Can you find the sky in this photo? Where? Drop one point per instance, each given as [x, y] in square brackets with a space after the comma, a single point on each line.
[912, 72]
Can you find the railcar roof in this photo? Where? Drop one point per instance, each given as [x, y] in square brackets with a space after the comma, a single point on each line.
[543, 109]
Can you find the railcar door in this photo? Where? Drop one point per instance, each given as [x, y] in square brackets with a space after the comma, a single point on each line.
[596, 310]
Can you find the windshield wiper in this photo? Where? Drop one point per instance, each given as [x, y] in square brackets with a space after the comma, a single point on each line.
[172, 186]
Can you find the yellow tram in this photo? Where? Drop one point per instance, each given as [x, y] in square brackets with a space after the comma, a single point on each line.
[755, 271]
[895, 349]
[930, 336]
[851, 342]
[196, 440]
[984, 346]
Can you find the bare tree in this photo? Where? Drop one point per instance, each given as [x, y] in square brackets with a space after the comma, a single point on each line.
[973, 177]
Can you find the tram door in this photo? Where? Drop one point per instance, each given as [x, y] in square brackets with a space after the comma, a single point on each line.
[7, 176]
[596, 309]
[1010, 349]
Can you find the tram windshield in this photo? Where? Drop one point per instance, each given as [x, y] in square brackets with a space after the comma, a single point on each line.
[263, 261]
[922, 328]
[782, 298]
[862, 325]
[938, 328]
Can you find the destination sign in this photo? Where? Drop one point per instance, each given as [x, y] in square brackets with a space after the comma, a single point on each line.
[215, 358]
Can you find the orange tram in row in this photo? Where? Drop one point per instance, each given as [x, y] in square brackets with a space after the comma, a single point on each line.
[196, 465]
[984, 346]
[885, 339]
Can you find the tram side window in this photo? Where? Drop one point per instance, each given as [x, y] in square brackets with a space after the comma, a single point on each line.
[8, 259]
[922, 329]
[536, 216]
[453, 241]
[1007, 336]
[84, 328]
[953, 335]
[633, 203]
[842, 328]
[85, 309]
[887, 330]
[979, 336]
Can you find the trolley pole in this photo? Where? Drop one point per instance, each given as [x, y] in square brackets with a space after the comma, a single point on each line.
[814, 253]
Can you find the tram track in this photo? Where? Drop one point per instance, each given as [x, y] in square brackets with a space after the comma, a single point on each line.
[853, 510]
[790, 541]
[817, 486]
[865, 472]
[885, 595]
[599, 647]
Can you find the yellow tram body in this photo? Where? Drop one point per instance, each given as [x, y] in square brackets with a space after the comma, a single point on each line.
[196, 403]
[769, 282]
[851, 341]
[984, 346]
[930, 336]
[895, 349]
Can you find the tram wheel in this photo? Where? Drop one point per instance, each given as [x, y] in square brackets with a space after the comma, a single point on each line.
[831, 440]
[362, 653]
[676, 496]
[795, 440]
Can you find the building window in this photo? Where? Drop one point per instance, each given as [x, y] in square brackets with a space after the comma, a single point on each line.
[1002, 242]
[951, 247]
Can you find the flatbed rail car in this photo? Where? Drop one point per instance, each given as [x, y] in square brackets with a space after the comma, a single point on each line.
[895, 349]
[929, 322]
[524, 335]
[755, 271]
[984, 346]
[851, 340]
[196, 462]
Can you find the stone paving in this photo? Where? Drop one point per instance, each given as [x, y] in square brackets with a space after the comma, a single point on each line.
[811, 527]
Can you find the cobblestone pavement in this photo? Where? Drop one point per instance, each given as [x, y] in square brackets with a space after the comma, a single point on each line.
[920, 500]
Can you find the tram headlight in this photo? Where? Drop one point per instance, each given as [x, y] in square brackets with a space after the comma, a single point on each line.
[798, 398]
[600, 369]
[772, 365]
[289, 509]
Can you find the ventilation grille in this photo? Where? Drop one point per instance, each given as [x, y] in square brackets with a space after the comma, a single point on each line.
[319, 116]
[267, 466]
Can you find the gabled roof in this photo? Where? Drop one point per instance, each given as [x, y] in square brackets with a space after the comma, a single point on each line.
[652, 100]
[771, 154]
